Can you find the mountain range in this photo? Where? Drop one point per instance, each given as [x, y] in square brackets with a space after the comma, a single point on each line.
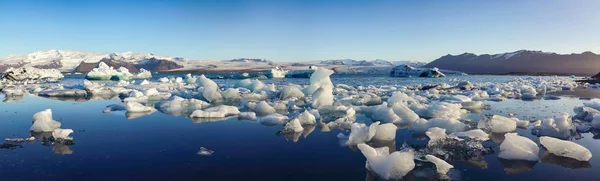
[521, 62]
[518, 62]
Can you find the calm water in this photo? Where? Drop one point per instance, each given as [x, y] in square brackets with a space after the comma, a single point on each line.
[161, 147]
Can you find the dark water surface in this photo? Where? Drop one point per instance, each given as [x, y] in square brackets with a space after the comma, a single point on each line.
[162, 147]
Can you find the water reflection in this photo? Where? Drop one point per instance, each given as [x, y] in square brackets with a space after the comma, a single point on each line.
[13, 99]
[62, 149]
[209, 120]
[564, 161]
[134, 115]
[512, 167]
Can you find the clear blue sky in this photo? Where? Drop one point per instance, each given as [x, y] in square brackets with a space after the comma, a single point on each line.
[300, 30]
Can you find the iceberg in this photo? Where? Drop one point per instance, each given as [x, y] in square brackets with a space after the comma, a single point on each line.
[515, 147]
[31, 74]
[442, 167]
[306, 118]
[216, 112]
[62, 134]
[276, 72]
[385, 165]
[293, 126]
[361, 133]
[143, 74]
[565, 148]
[385, 132]
[450, 125]
[263, 108]
[43, 122]
[135, 107]
[476, 134]
[408, 71]
[105, 72]
[498, 124]
[273, 119]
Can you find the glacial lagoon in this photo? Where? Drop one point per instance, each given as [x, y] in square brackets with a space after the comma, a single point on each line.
[158, 146]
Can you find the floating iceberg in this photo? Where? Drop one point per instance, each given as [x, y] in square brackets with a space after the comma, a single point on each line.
[276, 73]
[62, 134]
[105, 72]
[498, 124]
[216, 112]
[361, 133]
[560, 126]
[31, 74]
[293, 126]
[442, 167]
[476, 134]
[135, 107]
[515, 147]
[306, 118]
[273, 119]
[385, 165]
[143, 74]
[408, 71]
[321, 88]
[385, 132]
[566, 148]
[43, 122]
[205, 152]
[450, 125]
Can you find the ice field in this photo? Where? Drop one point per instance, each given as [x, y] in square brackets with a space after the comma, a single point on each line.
[328, 127]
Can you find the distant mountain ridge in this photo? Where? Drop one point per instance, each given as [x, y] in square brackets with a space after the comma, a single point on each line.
[521, 62]
[68, 61]
[376, 62]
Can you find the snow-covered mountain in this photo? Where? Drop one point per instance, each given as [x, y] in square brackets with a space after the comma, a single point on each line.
[409, 63]
[247, 60]
[67, 60]
[521, 62]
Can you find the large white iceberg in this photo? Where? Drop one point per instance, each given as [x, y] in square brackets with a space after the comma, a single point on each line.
[498, 124]
[515, 147]
[566, 148]
[321, 88]
[105, 72]
[385, 165]
[442, 167]
[408, 71]
[361, 133]
[43, 122]
[31, 74]
[216, 112]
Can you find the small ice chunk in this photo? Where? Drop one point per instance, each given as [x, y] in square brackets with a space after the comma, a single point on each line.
[291, 92]
[43, 122]
[293, 126]
[216, 112]
[515, 147]
[361, 133]
[306, 118]
[135, 107]
[442, 167]
[450, 125]
[263, 108]
[566, 148]
[385, 132]
[498, 124]
[405, 114]
[247, 116]
[435, 133]
[273, 119]
[205, 152]
[62, 134]
[385, 165]
[476, 134]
